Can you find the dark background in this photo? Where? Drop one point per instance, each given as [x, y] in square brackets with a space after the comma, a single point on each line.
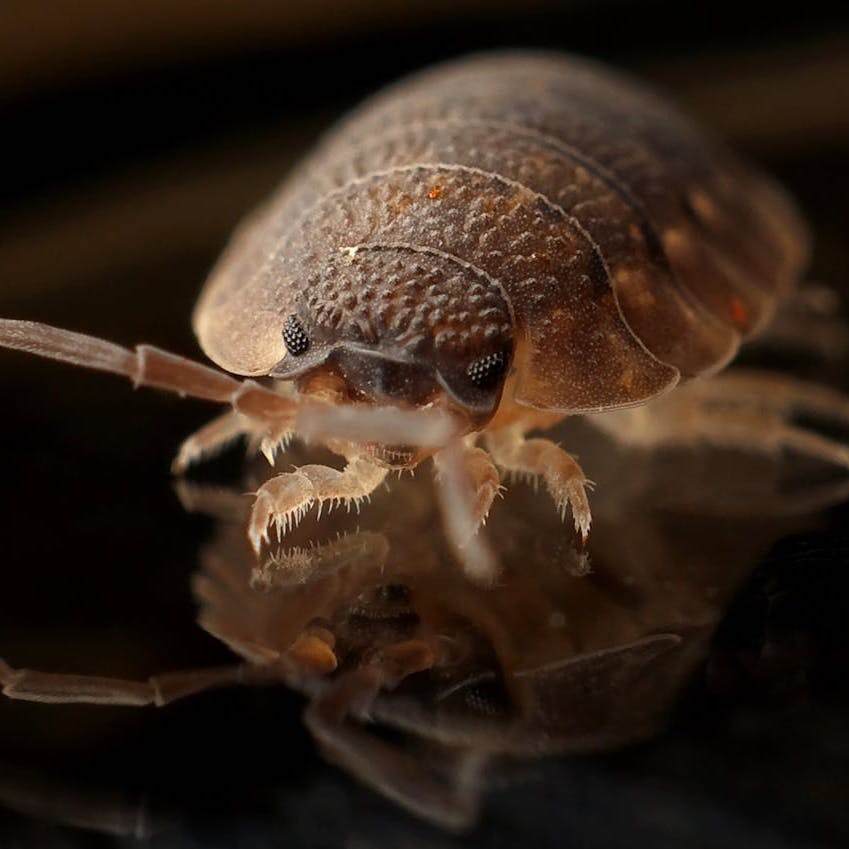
[134, 136]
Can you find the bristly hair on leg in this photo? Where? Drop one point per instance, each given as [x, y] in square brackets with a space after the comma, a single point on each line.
[457, 501]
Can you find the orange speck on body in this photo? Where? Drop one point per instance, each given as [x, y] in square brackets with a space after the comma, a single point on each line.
[739, 313]
[435, 192]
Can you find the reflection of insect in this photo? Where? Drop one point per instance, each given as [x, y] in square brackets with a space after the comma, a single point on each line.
[505, 241]
[545, 661]
[379, 630]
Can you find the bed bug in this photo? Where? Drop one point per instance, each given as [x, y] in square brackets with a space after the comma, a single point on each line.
[498, 242]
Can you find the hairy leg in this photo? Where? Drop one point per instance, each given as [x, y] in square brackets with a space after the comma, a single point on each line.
[264, 437]
[282, 568]
[467, 484]
[563, 477]
[484, 481]
[282, 501]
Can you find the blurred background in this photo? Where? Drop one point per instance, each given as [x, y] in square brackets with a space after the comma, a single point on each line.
[134, 137]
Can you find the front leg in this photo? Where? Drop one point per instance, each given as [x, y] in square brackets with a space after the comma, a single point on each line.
[283, 500]
[563, 477]
[468, 484]
[480, 474]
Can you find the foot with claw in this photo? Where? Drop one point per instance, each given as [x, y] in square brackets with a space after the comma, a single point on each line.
[564, 478]
[283, 501]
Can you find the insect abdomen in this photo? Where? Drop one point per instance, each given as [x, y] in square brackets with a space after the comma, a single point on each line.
[695, 248]
[630, 169]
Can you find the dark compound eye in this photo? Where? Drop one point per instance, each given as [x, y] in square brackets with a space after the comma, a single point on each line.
[295, 337]
[486, 373]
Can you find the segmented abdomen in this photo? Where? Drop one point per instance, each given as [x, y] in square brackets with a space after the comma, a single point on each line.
[696, 247]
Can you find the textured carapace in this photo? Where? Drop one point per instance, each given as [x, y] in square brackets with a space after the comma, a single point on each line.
[518, 205]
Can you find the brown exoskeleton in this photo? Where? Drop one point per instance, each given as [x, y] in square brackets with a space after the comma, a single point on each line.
[495, 244]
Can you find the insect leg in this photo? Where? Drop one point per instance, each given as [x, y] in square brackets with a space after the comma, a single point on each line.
[748, 411]
[282, 568]
[47, 799]
[467, 484]
[484, 482]
[563, 477]
[210, 439]
[283, 500]
[30, 685]
[773, 393]
[146, 366]
[263, 436]
[762, 433]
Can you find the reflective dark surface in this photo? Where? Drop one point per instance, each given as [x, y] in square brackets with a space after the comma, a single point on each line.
[571, 652]
[112, 232]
